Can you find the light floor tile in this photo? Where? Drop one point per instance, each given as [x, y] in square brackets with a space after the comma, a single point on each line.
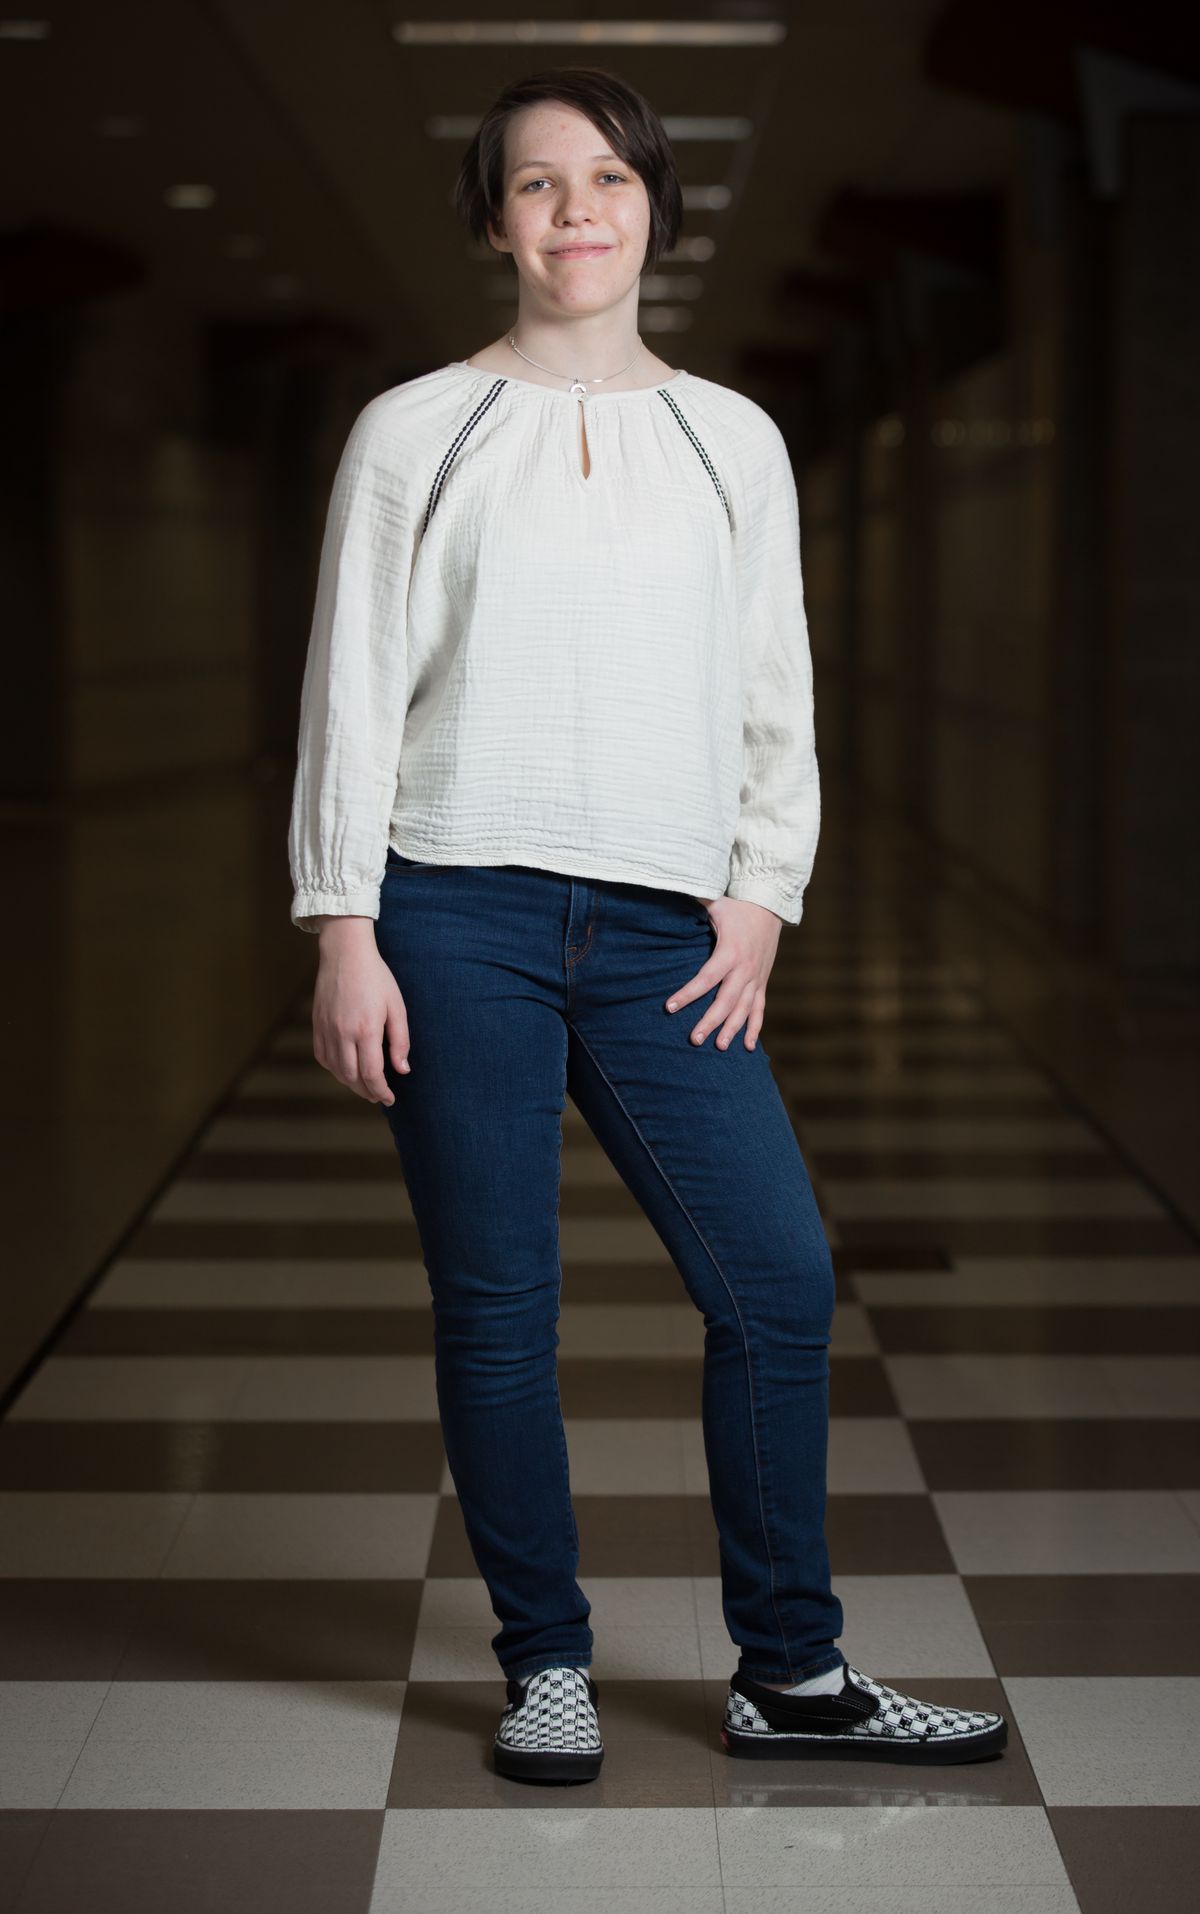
[975, 1387]
[1009, 1197]
[880, 1083]
[914, 1899]
[954, 1042]
[616, 1455]
[299, 1135]
[132, 1389]
[339, 1389]
[391, 1897]
[1110, 1741]
[628, 1653]
[652, 1602]
[251, 1282]
[1155, 1385]
[889, 1004]
[343, 1537]
[609, 1239]
[43, 1726]
[845, 969]
[1189, 1500]
[887, 1847]
[299, 1201]
[594, 1330]
[239, 1744]
[1069, 1532]
[910, 1626]
[867, 1455]
[70, 1533]
[297, 1086]
[1061, 1281]
[560, 1845]
[871, 1133]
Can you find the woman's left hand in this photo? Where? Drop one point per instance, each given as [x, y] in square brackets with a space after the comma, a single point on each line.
[747, 940]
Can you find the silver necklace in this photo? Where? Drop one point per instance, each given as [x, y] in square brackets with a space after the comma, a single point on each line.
[577, 386]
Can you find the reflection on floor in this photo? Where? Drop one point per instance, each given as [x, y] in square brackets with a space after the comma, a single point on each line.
[244, 1656]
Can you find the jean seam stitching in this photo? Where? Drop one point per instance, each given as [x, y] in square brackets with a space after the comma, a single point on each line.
[700, 1236]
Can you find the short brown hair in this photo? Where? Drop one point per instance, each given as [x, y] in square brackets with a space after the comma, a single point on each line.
[627, 121]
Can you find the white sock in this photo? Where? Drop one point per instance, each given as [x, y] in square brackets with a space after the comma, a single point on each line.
[828, 1683]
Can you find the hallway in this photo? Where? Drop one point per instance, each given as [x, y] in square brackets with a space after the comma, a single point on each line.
[244, 1647]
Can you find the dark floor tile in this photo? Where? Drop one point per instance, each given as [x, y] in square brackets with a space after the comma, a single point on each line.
[21, 1832]
[1058, 1452]
[649, 1387]
[304, 1101]
[915, 1103]
[1141, 1329]
[113, 1861]
[57, 1629]
[900, 1258]
[643, 1535]
[1028, 1236]
[288, 1629]
[242, 1457]
[643, 1387]
[294, 1242]
[885, 1535]
[249, 1332]
[292, 1166]
[1130, 1860]
[1088, 1624]
[980, 1165]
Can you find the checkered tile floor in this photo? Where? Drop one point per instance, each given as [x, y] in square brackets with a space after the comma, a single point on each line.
[244, 1656]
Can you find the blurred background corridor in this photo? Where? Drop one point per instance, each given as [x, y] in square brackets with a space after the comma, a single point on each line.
[954, 250]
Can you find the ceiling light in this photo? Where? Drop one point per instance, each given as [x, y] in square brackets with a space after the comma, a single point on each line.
[695, 249]
[610, 33]
[189, 197]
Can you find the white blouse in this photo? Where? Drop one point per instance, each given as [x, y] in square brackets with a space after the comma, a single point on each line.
[512, 663]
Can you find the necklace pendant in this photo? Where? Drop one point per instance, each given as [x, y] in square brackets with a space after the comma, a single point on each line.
[578, 389]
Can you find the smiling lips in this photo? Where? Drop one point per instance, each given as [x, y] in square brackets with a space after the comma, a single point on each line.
[578, 252]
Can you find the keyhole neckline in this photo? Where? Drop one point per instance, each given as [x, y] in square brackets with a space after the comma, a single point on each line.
[563, 392]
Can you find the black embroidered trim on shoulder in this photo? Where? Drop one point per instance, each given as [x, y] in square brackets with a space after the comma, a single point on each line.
[709, 467]
[455, 448]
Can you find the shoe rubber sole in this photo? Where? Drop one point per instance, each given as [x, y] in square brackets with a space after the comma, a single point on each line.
[548, 1764]
[781, 1746]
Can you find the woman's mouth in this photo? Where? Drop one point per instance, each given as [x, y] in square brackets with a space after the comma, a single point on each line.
[579, 252]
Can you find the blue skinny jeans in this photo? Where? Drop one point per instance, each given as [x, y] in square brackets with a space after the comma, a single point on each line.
[522, 985]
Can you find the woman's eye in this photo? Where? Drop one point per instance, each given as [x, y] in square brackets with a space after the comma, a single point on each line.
[538, 182]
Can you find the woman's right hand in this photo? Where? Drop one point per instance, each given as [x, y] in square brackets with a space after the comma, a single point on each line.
[357, 1009]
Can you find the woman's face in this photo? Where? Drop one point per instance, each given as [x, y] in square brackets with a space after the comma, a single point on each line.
[564, 189]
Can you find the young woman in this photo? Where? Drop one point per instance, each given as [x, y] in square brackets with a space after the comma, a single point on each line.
[556, 797]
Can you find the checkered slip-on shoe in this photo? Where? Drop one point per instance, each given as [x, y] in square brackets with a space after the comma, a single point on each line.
[867, 1720]
[549, 1730]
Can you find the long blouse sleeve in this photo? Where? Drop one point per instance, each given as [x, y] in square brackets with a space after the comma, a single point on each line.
[779, 822]
[354, 693]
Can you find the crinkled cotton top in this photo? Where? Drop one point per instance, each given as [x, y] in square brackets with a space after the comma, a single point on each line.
[513, 663]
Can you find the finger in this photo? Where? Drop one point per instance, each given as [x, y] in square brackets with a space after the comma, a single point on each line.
[734, 1023]
[756, 1022]
[396, 1039]
[370, 1072]
[727, 1002]
[694, 987]
[349, 1068]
